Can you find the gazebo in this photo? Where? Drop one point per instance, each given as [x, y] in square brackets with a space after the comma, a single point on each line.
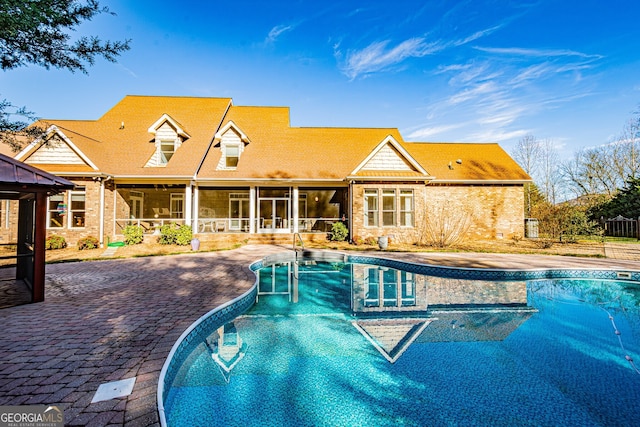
[31, 187]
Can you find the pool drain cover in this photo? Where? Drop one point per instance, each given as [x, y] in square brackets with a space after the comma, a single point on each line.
[114, 390]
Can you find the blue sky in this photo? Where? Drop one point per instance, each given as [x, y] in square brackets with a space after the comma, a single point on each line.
[481, 71]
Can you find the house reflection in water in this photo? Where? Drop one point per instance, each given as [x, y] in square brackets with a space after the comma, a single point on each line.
[226, 348]
[394, 308]
[391, 308]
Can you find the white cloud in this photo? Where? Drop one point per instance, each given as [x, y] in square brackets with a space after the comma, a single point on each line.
[502, 119]
[533, 72]
[498, 135]
[476, 35]
[377, 57]
[276, 32]
[518, 51]
[473, 92]
[127, 70]
[428, 132]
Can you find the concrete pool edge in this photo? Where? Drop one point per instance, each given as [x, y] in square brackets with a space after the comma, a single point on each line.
[235, 304]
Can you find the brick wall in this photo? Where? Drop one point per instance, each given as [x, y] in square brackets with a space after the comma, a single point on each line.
[445, 291]
[493, 211]
[92, 215]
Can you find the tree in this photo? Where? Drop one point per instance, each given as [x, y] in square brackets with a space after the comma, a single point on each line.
[39, 32]
[625, 203]
[446, 224]
[528, 155]
[605, 169]
[538, 158]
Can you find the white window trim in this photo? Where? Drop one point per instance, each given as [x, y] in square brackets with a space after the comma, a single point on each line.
[403, 211]
[367, 210]
[386, 193]
[160, 152]
[49, 212]
[398, 210]
[70, 211]
[226, 145]
[174, 197]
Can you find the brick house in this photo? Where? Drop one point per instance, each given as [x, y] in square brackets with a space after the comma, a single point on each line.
[237, 171]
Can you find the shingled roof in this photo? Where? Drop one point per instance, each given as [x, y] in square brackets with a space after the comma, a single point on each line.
[120, 144]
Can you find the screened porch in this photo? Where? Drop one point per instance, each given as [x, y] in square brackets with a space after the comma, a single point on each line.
[149, 206]
[269, 210]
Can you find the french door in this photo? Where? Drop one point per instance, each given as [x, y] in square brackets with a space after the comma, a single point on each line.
[239, 211]
[274, 211]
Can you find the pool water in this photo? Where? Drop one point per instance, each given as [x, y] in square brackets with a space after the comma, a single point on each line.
[341, 344]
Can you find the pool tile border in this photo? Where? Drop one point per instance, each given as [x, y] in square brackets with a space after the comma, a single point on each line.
[197, 333]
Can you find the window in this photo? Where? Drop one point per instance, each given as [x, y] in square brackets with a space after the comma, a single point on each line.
[77, 208]
[177, 205]
[408, 289]
[56, 211]
[406, 208]
[388, 208]
[397, 208]
[136, 202]
[390, 287]
[371, 208]
[231, 155]
[167, 148]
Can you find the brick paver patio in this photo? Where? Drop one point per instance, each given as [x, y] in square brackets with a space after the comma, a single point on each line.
[110, 320]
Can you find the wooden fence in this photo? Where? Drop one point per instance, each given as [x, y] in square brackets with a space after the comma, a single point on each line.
[621, 227]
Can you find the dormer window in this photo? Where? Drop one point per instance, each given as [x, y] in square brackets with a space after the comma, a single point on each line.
[169, 135]
[232, 143]
[231, 155]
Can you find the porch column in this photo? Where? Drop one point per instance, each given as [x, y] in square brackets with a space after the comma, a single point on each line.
[188, 200]
[252, 210]
[350, 209]
[196, 209]
[294, 209]
[101, 225]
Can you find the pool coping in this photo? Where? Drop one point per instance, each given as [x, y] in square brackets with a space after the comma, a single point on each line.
[228, 309]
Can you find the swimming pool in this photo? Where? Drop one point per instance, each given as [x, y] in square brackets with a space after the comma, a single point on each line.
[362, 341]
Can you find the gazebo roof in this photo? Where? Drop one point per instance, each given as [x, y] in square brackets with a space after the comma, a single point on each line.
[18, 179]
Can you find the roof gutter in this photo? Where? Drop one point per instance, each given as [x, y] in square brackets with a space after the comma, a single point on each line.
[82, 174]
[390, 178]
[482, 181]
[270, 180]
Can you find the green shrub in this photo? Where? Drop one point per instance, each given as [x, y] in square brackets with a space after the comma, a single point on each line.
[174, 234]
[133, 234]
[88, 242]
[339, 232]
[55, 242]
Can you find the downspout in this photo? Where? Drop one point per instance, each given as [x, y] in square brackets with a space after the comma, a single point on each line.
[194, 220]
